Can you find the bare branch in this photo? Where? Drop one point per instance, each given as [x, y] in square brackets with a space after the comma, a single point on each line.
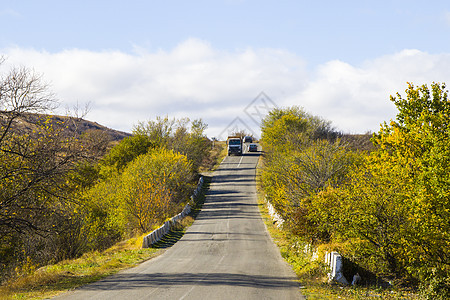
[22, 91]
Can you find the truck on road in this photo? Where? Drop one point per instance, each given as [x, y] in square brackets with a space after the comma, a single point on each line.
[234, 145]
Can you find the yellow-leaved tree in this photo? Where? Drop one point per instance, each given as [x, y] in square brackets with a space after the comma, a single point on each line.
[303, 156]
[153, 186]
[397, 209]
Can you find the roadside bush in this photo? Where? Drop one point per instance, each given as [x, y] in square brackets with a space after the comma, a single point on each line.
[150, 189]
[386, 210]
[153, 186]
[303, 156]
[125, 152]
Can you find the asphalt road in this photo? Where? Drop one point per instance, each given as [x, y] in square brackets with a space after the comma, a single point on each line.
[226, 254]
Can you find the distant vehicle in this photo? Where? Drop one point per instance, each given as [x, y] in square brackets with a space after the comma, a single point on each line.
[234, 145]
[253, 148]
[248, 139]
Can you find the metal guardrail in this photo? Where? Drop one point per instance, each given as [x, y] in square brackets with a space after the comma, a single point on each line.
[157, 234]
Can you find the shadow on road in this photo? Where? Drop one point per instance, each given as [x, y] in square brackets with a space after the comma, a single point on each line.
[137, 280]
[176, 233]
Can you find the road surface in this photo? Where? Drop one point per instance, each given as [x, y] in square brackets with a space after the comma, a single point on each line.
[226, 254]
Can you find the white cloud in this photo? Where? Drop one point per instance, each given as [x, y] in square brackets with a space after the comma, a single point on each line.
[356, 99]
[197, 81]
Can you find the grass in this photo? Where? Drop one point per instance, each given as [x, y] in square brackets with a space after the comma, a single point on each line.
[212, 162]
[55, 279]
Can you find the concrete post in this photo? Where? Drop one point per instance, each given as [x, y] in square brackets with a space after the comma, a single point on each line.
[334, 260]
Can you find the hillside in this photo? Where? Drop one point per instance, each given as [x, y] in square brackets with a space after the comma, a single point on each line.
[27, 123]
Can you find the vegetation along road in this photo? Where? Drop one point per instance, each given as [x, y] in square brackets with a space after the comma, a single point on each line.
[226, 254]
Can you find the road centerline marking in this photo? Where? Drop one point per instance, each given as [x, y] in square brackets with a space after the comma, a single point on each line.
[240, 161]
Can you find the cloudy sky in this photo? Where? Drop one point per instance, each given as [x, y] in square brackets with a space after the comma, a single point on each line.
[229, 61]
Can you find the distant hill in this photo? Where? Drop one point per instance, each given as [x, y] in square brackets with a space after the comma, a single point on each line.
[27, 123]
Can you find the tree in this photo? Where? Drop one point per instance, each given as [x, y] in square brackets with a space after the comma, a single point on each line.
[153, 186]
[419, 141]
[21, 91]
[176, 135]
[126, 151]
[34, 162]
[398, 204]
[146, 192]
[303, 157]
[29, 161]
[158, 131]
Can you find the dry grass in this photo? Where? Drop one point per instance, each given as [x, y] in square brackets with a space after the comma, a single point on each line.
[216, 156]
[52, 280]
